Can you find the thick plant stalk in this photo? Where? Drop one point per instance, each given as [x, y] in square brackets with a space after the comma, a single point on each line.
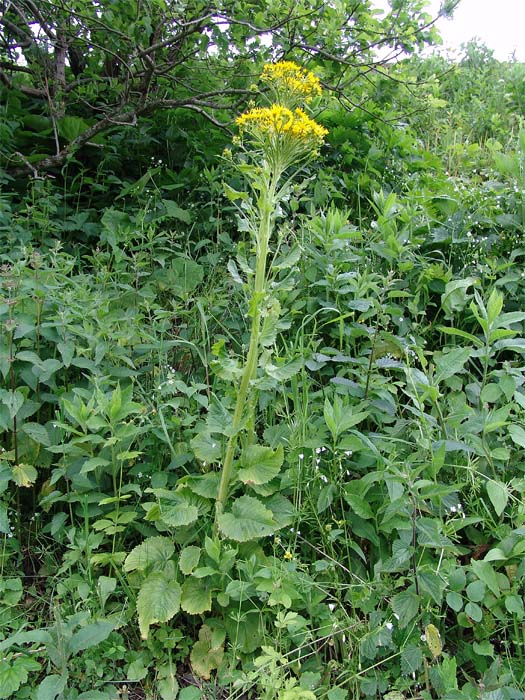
[265, 209]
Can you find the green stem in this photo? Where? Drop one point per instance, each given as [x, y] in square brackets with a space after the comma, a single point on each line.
[266, 207]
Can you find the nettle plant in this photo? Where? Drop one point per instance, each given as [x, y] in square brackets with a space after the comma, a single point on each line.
[216, 518]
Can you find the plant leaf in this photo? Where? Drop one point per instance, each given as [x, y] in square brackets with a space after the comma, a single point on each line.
[158, 601]
[196, 596]
[90, 635]
[154, 550]
[260, 464]
[248, 520]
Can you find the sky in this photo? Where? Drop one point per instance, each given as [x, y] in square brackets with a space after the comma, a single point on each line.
[499, 24]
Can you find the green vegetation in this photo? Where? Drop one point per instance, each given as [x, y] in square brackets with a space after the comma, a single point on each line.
[262, 396]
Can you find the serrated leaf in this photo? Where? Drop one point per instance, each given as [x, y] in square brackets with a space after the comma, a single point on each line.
[248, 520]
[450, 363]
[188, 559]
[406, 606]
[158, 601]
[206, 447]
[411, 661]
[282, 509]
[432, 584]
[24, 475]
[37, 432]
[154, 550]
[260, 464]
[180, 515]
[13, 400]
[167, 684]
[196, 596]
[498, 493]
[11, 678]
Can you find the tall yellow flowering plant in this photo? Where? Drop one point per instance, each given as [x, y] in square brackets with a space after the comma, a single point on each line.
[274, 139]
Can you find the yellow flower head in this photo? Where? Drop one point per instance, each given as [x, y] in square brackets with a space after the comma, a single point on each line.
[291, 83]
[280, 123]
[285, 136]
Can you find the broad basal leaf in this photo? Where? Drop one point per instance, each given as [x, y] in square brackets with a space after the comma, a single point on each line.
[158, 601]
[204, 656]
[260, 464]
[180, 515]
[152, 551]
[196, 596]
[188, 559]
[248, 520]
[90, 635]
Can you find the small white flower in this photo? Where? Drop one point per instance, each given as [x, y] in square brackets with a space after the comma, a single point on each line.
[389, 626]
[453, 509]
[301, 456]
[331, 606]
[323, 478]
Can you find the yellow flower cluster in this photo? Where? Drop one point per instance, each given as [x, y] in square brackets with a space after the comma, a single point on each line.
[281, 121]
[288, 77]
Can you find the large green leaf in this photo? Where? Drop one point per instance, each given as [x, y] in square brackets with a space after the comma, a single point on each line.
[248, 520]
[188, 559]
[180, 515]
[154, 550]
[498, 492]
[260, 464]
[51, 687]
[90, 635]
[196, 596]
[450, 363]
[158, 601]
[204, 656]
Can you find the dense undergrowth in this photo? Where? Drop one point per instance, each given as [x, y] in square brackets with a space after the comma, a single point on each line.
[371, 543]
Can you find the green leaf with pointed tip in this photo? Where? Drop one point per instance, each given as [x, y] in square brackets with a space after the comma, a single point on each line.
[405, 605]
[260, 464]
[498, 492]
[158, 601]
[248, 520]
[154, 550]
[450, 363]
